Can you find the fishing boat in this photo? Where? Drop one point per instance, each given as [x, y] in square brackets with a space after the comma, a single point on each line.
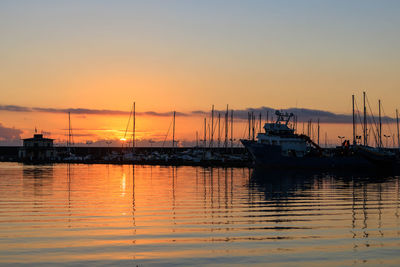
[280, 147]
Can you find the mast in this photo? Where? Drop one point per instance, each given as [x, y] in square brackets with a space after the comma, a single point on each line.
[209, 134]
[380, 125]
[219, 129]
[134, 127]
[226, 127]
[318, 132]
[69, 132]
[173, 131]
[259, 129]
[326, 138]
[212, 127]
[249, 119]
[397, 120]
[354, 123]
[252, 124]
[232, 129]
[205, 132]
[197, 139]
[365, 122]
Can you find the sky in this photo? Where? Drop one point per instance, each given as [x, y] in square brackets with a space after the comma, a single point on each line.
[186, 56]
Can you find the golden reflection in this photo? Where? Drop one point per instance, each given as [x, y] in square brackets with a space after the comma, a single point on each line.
[153, 211]
[123, 185]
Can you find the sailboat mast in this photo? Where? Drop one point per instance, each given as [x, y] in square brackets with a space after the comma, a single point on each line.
[232, 128]
[219, 129]
[380, 125]
[69, 132]
[397, 120]
[173, 132]
[249, 119]
[205, 132]
[134, 127]
[226, 126]
[354, 123]
[318, 132]
[365, 122]
[252, 124]
[212, 127]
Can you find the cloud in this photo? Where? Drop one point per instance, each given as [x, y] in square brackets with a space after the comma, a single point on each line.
[82, 111]
[15, 108]
[85, 111]
[8, 134]
[303, 114]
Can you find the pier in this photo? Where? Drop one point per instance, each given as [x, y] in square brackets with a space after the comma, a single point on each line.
[169, 156]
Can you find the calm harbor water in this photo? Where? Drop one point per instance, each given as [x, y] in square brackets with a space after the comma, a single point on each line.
[147, 215]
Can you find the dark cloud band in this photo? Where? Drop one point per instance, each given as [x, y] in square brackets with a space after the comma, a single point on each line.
[302, 114]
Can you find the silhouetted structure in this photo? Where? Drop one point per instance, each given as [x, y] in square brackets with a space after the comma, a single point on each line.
[37, 148]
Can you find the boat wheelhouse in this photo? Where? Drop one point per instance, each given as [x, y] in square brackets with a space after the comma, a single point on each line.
[280, 134]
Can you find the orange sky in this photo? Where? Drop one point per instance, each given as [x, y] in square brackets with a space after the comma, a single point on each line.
[187, 56]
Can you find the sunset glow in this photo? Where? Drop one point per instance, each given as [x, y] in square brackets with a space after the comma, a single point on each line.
[187, 56]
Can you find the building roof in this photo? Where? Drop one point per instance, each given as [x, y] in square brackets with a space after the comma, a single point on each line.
[38, 137]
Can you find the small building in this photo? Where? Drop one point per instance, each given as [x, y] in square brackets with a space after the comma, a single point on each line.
[37, 149]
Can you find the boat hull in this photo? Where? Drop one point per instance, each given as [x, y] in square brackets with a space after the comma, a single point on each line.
[271, 156]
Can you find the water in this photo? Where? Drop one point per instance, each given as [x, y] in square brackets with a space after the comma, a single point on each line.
[147, 215]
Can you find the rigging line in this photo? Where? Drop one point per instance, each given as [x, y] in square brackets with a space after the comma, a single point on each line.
[375, 134]
[72, 134]
[359, 116]
[244, 132]
[167, 134]
[129, 120]
[373, 120]
[215, 125]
